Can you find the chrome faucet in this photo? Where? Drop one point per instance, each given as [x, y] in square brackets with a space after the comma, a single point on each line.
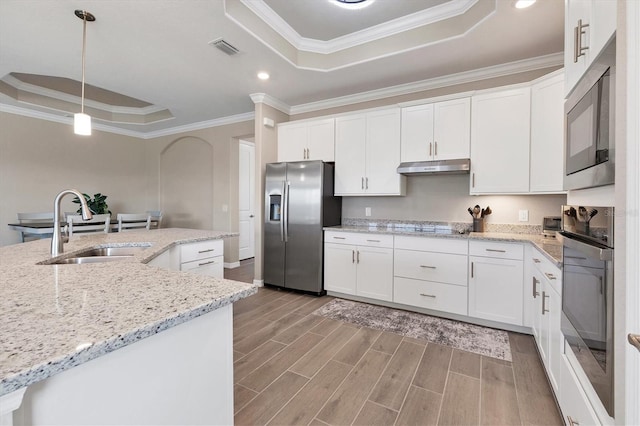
[56, 239]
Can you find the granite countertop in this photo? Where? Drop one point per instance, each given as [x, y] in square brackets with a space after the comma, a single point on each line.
[55, 317]
[549, 246]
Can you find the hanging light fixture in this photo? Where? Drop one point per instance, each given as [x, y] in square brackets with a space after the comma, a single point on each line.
[82, 121]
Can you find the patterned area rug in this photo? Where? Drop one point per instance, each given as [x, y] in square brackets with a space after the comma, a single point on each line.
[456, 334]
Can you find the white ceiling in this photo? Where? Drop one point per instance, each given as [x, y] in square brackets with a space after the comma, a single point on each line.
[157, 50]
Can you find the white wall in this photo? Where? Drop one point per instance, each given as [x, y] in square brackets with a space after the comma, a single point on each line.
[40, 158]
[445, 198]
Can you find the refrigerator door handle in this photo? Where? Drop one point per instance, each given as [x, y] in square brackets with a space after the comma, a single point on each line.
[282, 204]
[285, 216]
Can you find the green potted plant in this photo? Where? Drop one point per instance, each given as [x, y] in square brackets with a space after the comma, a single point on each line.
[97, 204]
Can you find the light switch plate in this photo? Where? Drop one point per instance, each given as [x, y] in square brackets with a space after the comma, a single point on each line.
[367, 211]
[523, 215]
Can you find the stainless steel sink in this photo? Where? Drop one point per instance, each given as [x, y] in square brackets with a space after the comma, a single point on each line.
[99, 255]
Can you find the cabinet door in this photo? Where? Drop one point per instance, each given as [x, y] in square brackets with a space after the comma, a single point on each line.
[500, 142]
[547, 134]
[351, 134]
[556, 339]
[292, 142]
[416, 138]
[495, 289]
[321, 140]
[383, 153]
[576, 10]
[574, 403]
[375, 273]
[340, 268]
[603, 19]
[452, 129]
[535, 298]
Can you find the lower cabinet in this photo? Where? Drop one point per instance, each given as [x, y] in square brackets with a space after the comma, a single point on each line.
[203, 257]
[431, 273]
[359, 264]
[574, 402]
[496, 281]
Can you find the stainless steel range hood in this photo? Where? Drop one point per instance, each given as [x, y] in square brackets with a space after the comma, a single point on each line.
[460, 166]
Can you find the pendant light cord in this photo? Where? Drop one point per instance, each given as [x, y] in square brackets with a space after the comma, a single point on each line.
[84, 44]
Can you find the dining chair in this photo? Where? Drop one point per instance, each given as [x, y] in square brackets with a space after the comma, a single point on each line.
[99, 223]
[156, 218]
[133, 221]
[24, 218]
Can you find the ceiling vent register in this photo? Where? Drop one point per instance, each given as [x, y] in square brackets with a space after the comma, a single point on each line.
[224, 46]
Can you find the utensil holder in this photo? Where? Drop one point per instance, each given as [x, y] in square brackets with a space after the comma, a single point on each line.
[478, 224]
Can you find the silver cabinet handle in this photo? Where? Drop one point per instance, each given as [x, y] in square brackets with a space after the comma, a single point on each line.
[366, 183]
[304, 153]
[435, 149]
[544, 308]
[634, 340]
[578, 31]
[362, 183]
[353, 256]
[428, 295]
[550, 276]
[206, 263]
[430, 149]
[497, 251]
[575, 257]
[536, 260]
[471, 269]
[308, 153]
[535, 287]
[373, 241]
[572, 422]
[428, 267]
[206, 251]
[357, 256]
[339, 238]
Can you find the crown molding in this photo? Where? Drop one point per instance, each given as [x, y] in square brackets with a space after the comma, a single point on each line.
[25, 112]
[524, 65]
[385, 29]
[263, 98]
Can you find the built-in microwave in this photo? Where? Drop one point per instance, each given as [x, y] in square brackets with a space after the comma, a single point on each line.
[590, 125]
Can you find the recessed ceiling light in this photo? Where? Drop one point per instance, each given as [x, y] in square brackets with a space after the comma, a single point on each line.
[263, 75]
[352, 4]
[521, 4]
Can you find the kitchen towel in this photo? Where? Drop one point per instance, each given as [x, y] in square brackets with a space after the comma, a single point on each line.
[460, 335]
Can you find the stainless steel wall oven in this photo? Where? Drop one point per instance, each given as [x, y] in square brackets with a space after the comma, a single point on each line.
[587, 293]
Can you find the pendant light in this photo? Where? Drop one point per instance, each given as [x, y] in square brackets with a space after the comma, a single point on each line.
[82, 121]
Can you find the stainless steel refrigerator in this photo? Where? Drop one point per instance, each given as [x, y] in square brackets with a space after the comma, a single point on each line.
[299, 202]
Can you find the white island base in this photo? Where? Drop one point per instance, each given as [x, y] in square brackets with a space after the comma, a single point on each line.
[182, 375]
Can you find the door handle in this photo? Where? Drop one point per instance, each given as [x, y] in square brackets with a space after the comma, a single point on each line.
[282, 207]
[435, 149]
[544, 308]
[366, 183]
[427, 266]
[251, 216]
[353, 256]
[357, 256]
[362, 183]
[535, 288]
[430, 149]
[634, 340]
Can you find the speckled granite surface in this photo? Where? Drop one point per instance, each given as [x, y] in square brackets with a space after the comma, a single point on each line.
[55, 317]
[549, 246]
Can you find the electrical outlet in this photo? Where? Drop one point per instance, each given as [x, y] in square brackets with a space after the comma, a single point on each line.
[367, 211]
[523, 215]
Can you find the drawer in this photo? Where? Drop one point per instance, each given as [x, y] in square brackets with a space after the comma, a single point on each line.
[424, 265]
[430, 295]
[497, 250]
[441, 245]
[201, 250]
[213, 267]
[359, 239]
[547, 269]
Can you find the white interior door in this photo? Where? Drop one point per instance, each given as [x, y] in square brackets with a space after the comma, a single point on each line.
[246, 200]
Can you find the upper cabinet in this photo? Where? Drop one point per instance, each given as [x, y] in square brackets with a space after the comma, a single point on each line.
[306, 140]
[500, 126]
[589, 25]
[547, 134]
[368, 153]
[436, 131]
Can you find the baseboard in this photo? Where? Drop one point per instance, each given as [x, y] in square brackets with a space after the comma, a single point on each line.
[259, 283]
[231, 265]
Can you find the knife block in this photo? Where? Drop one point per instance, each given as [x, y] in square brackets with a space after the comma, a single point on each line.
[478, 224]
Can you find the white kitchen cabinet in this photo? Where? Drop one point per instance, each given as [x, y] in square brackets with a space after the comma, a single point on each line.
[547, 134]
[359, 264]
[431, 273]
[496, 281]
[500, 138]
[204, 258]
[574, 403]
[367, 154]
[436, 131]
[589, 25]
[306, 140]
[544, 294]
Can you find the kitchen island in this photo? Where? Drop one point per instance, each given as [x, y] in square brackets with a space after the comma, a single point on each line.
[115, 342]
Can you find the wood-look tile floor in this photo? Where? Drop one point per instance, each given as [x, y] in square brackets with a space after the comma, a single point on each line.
[294, 368]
